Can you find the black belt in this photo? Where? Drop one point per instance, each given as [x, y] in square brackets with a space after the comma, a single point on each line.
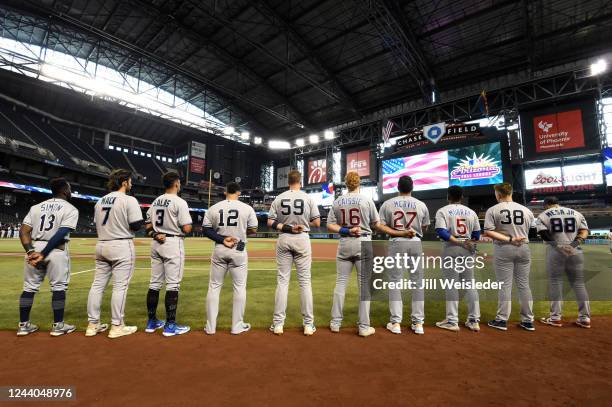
[168, 235]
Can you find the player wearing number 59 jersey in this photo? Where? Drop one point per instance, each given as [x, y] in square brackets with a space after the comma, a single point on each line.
[228, 223]
[404, 213]
[117, 216]
[508, 224]
[564, 230]
[168, 221]
[292, 213]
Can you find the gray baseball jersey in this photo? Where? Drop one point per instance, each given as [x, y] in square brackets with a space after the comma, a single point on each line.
[113, 214]
[354, 209]
[294, 208]
[458, 219]
[231, 218]
[47, 217]
[509, 218]
[403, 213]
[168, 214]
[562, 223]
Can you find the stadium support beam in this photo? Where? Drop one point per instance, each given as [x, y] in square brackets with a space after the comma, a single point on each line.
[345, 99]
[387, 17]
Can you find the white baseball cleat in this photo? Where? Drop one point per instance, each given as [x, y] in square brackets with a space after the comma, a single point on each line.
[26, 328]
[309, 330]
[472, 325]
[118, 331]
[277, 329]
[417, 329]
[243, 328]
[394, 328]
[61, 328]
[363, 332]
[449, 326]
[334, 328]
[93, 329]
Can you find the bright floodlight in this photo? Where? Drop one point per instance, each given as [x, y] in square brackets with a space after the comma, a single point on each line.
[228, 130]
[599, 67]
[257, 140]
[245, 135]
[328, 135]
[279, 145]
[313, 138]
[299, 142]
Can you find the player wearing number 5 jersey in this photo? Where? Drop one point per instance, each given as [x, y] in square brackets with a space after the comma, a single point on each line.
[404, 213]
[48, 225]
[564, 230]
[228, 223]
[117, 216]
[292, 213]
[508, 224]
[168, 221]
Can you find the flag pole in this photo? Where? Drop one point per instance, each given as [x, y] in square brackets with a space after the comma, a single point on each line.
[209, 186]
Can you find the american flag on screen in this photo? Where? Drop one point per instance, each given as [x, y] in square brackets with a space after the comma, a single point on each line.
[428, 171]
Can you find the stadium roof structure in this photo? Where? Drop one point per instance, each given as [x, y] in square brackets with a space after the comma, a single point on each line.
[283, 68]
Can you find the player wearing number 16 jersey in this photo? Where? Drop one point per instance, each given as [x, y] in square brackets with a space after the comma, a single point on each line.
[117, 216]
[404, 213]
[168, 221]
[564, 230]
[508, 224]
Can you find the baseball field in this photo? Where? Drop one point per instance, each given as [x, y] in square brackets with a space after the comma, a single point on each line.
[556, 364]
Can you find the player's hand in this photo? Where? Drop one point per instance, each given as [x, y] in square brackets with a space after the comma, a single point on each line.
[410, 233]
[34, 258]
[517, 241]
[567, 250]
[230, 242]
[355, 231]
[297, 229]
[160, 238]
[469, 245]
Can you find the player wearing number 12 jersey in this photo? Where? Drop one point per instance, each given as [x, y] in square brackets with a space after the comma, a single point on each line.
[168, 221]
[406, 213]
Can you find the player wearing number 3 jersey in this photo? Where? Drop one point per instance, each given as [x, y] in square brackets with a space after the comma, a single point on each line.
[292, 213]
[117, 216]
[168, 221]
[404, 213]
[508, 224]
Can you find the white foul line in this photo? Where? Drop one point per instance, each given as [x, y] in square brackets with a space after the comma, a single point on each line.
[149, 268]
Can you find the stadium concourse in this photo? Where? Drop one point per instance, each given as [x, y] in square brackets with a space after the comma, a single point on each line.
[159, 144]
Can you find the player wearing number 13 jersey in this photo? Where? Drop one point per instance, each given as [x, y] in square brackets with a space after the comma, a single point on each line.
[168, 221]
[406, 213]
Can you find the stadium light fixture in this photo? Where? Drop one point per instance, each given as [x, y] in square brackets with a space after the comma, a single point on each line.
[245, 135]
[257, 140]
[229, 130]
[313, 138]
[111, 147]
[598, 67]
[300, 142]
[328, 135]
[278, 145]
[157, 157]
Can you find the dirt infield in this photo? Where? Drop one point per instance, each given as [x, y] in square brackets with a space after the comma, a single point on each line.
[567, 366]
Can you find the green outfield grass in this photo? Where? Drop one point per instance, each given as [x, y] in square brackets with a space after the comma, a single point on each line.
[261, 287]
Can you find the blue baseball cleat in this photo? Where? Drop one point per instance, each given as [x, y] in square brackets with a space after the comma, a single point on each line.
[153, 325]
[172, 329]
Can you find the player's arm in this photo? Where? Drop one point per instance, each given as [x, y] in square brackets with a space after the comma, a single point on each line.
[252, 223]
[498, 236]
[25, 235]
[315, 216]
[184, 218]
[392, 232]
[580, 237]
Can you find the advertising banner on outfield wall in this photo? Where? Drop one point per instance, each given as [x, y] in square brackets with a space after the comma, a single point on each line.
[317, 170]
[360, 162]
[281, 177]
[560, 129]
[197, 163]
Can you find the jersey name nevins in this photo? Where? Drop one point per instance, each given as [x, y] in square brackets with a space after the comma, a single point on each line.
[108, 200]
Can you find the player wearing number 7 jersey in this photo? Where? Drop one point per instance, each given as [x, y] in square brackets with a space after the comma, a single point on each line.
[404, 213]
[168, 221]
[117, 216]
[292, 213]
[508, 224]
[564, 230]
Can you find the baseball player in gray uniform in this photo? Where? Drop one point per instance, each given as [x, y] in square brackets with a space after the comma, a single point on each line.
[508, 224]
[117, 216]
[228, 223]
[564, 230]
[48, 225]
[408, 214]
[458, 226]
[167, 222]
[292, 213]
[352, 216]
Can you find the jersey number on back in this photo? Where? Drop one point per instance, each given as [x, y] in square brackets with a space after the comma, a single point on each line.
[106, 211]
[232, 218]
[353, 217]
[50, 222]
[407, 217]
[298, 207]
[517, 217]
[559, 225]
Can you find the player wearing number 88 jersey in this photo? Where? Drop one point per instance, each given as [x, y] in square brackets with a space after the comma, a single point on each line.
[404, 213]
[564, 230]
[168, 221]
